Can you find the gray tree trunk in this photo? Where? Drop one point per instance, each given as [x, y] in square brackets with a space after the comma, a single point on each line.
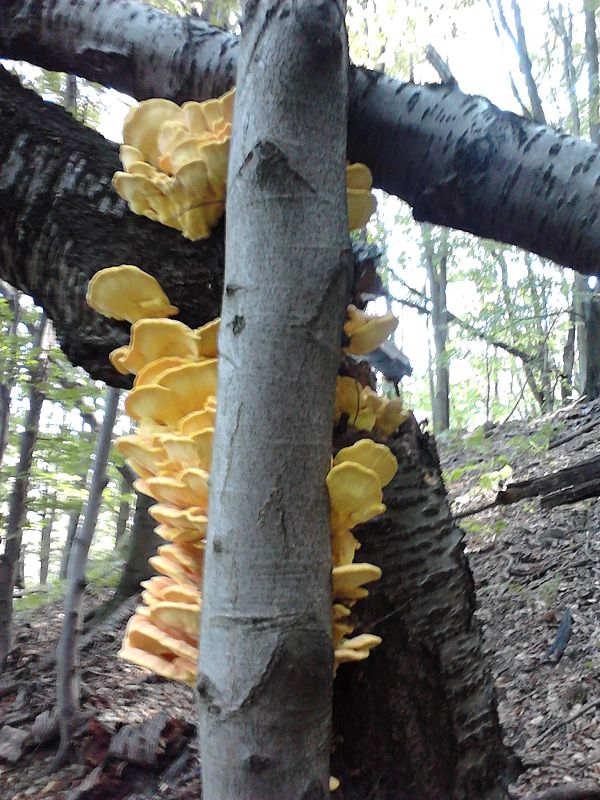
[8, 370]
[265, 671]
[142, 545]
[46, 540]
[417, 720]
[436, 261]
[9, 560]
[67, 664]
[124, 511]
[456, 159]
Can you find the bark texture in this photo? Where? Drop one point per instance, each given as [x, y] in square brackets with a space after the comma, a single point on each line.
[455, 158]
[417, 720]
[143, 542]
[61, 221]
[67, 666]
[9, 560]
[265, 670]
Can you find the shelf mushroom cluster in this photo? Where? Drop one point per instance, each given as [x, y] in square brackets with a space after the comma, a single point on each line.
[174, 404]
[175, 162]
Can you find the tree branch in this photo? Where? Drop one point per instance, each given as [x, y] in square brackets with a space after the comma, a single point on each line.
[456, 159]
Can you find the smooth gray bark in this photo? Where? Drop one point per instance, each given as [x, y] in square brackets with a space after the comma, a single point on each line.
[456, 159]
[46, 540]
[67, 665]
[436, 261]
[9, 560]
[265, 670]
[143, 542]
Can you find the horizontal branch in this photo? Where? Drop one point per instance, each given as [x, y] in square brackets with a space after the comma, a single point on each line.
[61, 221]
[456, 159]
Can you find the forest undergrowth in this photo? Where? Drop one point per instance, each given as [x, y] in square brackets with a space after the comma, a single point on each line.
[537, 574]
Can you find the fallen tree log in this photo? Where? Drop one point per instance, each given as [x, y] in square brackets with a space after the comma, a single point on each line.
[567, 485]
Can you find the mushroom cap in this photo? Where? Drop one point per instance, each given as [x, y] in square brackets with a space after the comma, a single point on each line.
[354, 494]
[139, 450]
[343, 547]
[347, 398]
[191, 384]
[367, 332]
[361, 207]
[361, 203]
[390, 418]
[189, 519]
[154, 339]
[350, 577]
[143, 634]
[207, 336]
[183, 617]
[152, 371]
[356, 649]
[177, 669]
[368, 453]
[142, 123]
[127, 293]
[181, 451]
[197, 421]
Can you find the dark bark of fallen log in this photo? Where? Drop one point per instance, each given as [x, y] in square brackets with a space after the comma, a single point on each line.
[571, 494]
[571, 791]
[572, 483]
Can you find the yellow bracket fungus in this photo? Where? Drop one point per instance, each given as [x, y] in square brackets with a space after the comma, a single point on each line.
[367, 332]
[128, 293]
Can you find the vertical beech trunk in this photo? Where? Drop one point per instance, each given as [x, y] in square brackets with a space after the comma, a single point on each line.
[143, 542]
[9, 364]
[417, 720]
[124, 509]
[67, 665]
[46, 539]
[436, 261]
[265, 671]
[9, 560]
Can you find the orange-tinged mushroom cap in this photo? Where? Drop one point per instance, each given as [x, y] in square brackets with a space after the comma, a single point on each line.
[374, 456]
[151, 372]
[178, 669]
[153, 401]
[182, 593]
[143, 634]
[198, 421]
[127, 293]
[191, 519]
[354, 494]
[141, 451]
[191, 384]
[118, 357]
[178, 616]
[153, 339]
[180, 450]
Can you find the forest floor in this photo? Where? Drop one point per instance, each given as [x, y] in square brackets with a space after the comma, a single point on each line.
[532, 568]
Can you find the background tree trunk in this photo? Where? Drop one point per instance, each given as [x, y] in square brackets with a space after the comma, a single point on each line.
[436, 262]
[46, 539]
[18, 499]
[417, 720]
[266, 658]
[67, 664]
